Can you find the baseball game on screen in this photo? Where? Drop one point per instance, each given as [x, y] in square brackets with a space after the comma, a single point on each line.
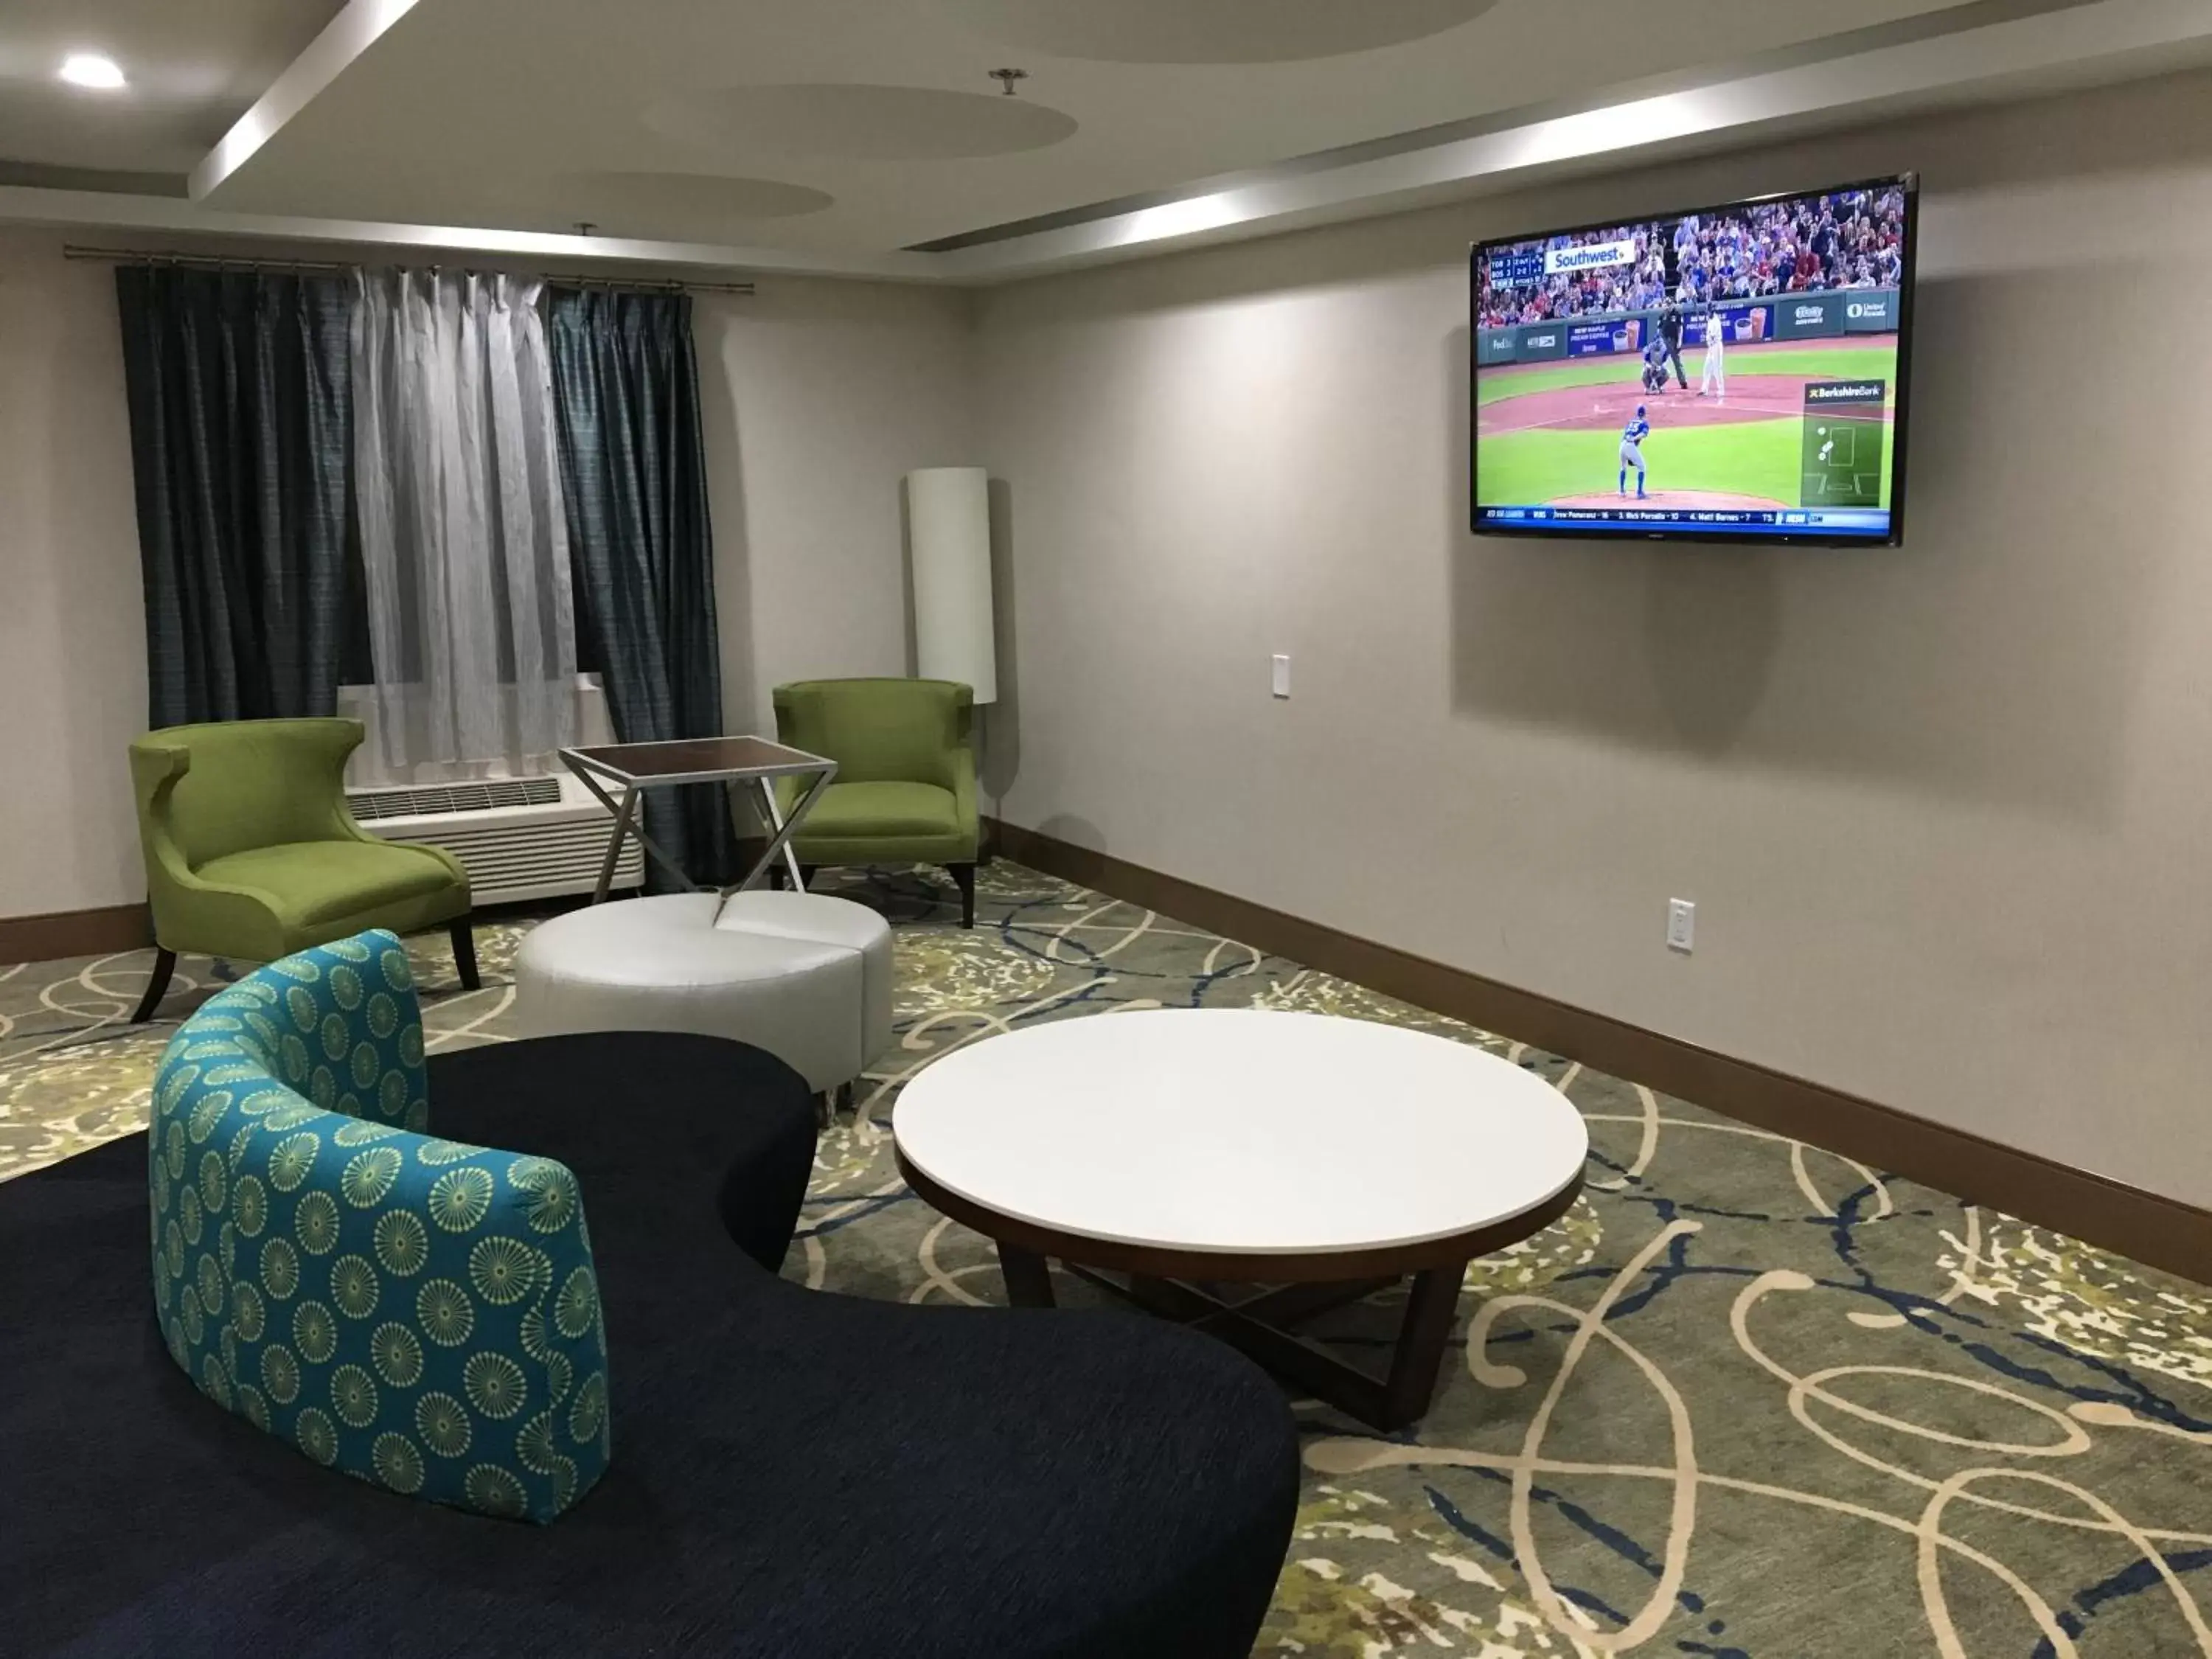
[1730, 372]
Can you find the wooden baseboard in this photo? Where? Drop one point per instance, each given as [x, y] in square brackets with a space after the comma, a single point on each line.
[2146, 1226]
[75, 933]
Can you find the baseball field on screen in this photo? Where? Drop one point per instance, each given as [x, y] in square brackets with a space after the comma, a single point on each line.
[1548, 433]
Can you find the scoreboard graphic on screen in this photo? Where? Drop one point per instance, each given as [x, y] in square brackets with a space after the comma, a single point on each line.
[1841, 441]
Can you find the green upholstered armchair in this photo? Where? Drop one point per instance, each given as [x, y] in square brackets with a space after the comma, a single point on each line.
[251, 852]
[905, 792]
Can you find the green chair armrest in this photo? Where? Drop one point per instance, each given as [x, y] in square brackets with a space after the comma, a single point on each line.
[963, 787]
[186, 908]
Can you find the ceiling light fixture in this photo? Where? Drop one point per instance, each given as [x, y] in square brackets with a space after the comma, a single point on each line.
[89, 69]
[1007, 78]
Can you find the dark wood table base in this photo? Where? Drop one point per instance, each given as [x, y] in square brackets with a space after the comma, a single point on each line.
[1291, 1287]
[1258, 1326]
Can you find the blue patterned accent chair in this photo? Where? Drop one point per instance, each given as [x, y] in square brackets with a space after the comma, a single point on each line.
[419, 1313]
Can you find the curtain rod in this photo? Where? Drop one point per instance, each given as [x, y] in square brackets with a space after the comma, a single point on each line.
[565, 279]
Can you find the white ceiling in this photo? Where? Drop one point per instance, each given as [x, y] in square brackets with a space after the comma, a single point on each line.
[830, 134]
[194, 66]
[465, 111]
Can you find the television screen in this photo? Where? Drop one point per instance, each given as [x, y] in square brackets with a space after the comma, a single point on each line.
[1733, 373]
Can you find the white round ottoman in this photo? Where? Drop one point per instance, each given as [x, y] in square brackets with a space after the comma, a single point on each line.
[804, 977]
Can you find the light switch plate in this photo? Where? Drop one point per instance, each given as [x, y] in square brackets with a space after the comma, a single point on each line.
[1682, 924]
[1282, 680]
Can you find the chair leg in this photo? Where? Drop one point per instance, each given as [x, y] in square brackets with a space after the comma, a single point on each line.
[165, 964]
[465, 956]
[963, 876]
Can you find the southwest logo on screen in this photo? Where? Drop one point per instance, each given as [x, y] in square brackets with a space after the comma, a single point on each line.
[1590, 256]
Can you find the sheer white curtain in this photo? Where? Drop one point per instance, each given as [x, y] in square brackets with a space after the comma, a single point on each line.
[464, 538]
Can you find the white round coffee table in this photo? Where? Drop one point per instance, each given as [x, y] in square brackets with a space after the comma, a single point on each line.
[1184, 1148]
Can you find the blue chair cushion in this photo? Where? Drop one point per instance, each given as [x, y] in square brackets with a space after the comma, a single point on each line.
[421, 1314]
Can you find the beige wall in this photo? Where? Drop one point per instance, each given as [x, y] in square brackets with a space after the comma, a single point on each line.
[817, 396]
[72, 626]
[1946, 811]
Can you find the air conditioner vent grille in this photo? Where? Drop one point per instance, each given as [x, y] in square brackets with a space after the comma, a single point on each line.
[441, 800]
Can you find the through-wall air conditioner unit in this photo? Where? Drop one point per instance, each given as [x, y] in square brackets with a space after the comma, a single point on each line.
[518, 838]
[527, 837]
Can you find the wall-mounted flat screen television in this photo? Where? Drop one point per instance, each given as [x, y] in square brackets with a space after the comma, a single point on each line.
[1735, 372]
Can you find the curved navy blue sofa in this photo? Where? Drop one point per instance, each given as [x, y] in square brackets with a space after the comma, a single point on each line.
[795, 1474]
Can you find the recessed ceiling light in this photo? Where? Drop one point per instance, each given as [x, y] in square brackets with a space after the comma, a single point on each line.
[89, 69]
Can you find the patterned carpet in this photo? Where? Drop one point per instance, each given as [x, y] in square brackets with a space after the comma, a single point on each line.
[1748, 1400]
